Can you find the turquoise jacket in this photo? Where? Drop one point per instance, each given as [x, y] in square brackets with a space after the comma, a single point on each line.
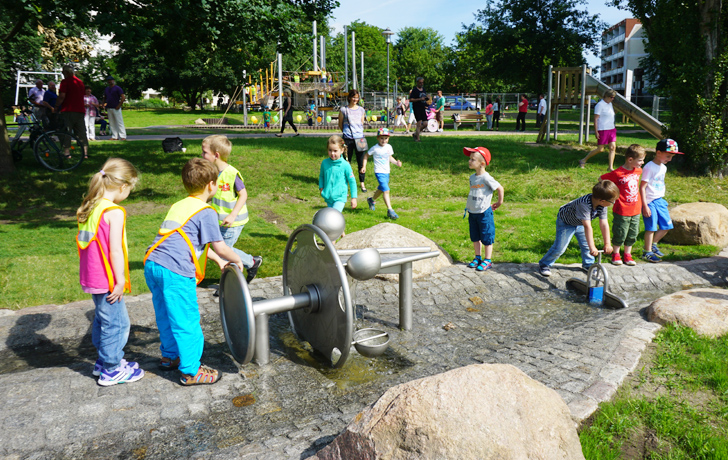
[333, 179]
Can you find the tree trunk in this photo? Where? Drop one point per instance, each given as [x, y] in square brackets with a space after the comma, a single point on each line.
[7, 166]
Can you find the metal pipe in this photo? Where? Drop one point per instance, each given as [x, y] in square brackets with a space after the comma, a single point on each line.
[261, 352]
[409, 259]
[353, 59]
[548, 104]
[280, 88]
[346, 60]
[282, 304]
[351, 252]
[581, 110]
[405, 297]
[362, 74]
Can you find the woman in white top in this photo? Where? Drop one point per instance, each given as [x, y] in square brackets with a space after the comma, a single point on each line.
[604, 128]
[351, 124]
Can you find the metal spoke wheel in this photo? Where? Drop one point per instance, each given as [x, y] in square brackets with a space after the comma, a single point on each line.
[59, 151]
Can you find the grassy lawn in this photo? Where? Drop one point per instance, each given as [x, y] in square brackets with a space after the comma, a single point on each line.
[675, 407]
[37, 207]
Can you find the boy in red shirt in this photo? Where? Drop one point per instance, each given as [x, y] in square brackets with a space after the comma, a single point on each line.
[627, 209]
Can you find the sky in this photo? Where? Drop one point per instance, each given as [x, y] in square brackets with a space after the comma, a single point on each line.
[397, 14]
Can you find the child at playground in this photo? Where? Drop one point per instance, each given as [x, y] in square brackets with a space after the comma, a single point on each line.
[480, 219]
[383, 154]
[627, 209]
[310, 113]
[229, 201]
[104, 268]
[175, 263]
[266, 117]
[575, 218]
[336, 175]
[654, 207]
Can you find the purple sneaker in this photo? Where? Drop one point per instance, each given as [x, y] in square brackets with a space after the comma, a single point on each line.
[120, 375]
[99, 366]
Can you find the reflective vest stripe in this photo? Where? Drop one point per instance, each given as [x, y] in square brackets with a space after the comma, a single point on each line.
[226, 199]
[88, 231]
[185, 209]
[238, 218]
[227, 204]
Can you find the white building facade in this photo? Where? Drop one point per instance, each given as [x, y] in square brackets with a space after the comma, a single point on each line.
[623, 45]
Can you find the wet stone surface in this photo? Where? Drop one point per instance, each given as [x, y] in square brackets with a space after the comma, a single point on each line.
[295, 405]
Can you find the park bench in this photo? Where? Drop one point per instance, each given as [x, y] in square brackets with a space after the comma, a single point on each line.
[459, 119]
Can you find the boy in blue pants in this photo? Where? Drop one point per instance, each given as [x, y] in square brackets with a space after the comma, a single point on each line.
[574, 218]
[173, 266]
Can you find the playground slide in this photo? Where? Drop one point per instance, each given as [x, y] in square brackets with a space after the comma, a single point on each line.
[639, 116]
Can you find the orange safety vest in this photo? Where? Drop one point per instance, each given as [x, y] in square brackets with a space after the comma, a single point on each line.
[179, 214]
[88, 231]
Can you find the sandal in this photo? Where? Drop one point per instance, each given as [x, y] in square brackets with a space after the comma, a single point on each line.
[169, 364]
[205, 376]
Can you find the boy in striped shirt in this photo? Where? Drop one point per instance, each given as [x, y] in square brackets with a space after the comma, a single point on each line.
[574, 218]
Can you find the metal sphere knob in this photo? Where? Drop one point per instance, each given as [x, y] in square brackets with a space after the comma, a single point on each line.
[364, 264]
[330, 221]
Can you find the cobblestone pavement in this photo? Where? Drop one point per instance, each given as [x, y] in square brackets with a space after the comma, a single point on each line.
[292, 407]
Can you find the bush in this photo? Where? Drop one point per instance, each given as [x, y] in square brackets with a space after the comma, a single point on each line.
[150, 103]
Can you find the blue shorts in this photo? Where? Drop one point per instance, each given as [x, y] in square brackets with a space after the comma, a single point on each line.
[659, 218]
[338, 205]
[383, 180]
[482, 227]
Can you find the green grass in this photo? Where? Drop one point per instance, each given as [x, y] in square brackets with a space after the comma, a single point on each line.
[38, 259]
[675, 409]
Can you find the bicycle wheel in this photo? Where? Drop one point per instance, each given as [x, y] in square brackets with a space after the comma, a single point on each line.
[50, 151]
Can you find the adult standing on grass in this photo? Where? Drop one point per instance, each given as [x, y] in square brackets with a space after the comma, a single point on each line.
[541, 114]
[417, 97]
[351, 124]
[287, 113]
[604, 129]
[496, 113]
[49, 102]
[70, 102]
[35, 96]
[440, 111]
[522, 110]
[92, 111]
[489, 113]
[115, 98]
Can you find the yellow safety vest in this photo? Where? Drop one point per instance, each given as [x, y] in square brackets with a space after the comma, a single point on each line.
[179, 214]
[225, 199]
[88, 232]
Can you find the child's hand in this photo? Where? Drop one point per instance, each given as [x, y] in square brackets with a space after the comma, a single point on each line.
[228, 220]
[646, 211]
[608, 248]
[399, 163]
[363, 170]
[593, 251]
[496, 205]
[353, 203]
[116, 294]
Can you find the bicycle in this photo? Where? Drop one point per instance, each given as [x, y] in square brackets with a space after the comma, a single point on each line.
[57, 150]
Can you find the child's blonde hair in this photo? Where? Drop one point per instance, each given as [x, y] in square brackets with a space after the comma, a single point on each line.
[635, 151]
[197, 173]
[337, 140]
[113, 174]
[219, 144]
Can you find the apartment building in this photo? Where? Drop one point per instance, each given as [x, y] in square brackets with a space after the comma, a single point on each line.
[623, 45]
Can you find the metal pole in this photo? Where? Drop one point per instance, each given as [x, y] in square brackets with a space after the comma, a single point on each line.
[245, 103]
[315, 51]
[581, 111]
[353, 59]
[362, 73]
[386, 105]
[280, 88]
[17, 87]
[548, 104]
[261, 353]
[588, 114]
[346, 60]
[405, 297]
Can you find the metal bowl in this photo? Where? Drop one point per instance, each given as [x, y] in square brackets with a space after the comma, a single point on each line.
[371, 348]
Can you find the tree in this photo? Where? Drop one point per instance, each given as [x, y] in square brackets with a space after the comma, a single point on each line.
[191, 46]
[690, 68]
[420, 52]
[35, 34]
[369, 40]
[523, 38]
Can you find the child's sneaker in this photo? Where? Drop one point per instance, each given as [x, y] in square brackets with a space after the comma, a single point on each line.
[616, 260]
[168, 364]
[650, 256]
[628, 260]
[544, 271]
[657, 251]
[99, 366]
[121, 374]
[371, 204]
[477, 261]
[485, 265]
[252, 271]
[392, 215]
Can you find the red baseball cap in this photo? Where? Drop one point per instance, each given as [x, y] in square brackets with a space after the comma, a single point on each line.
[481, 150]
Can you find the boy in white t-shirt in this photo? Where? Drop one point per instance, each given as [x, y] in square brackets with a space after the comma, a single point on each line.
[654, 207]
[383, 154]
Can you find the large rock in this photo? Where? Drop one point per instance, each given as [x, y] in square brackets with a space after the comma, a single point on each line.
[699, 223]
[482, 411]
[703, 310]
[388, 235]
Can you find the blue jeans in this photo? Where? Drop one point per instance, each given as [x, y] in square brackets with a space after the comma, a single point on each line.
[178, 316]
[230, 236]
[564, 233]
[110, 330]
[490, 121]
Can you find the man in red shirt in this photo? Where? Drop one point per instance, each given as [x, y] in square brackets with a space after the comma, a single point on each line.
[70, 101]
[521, 117]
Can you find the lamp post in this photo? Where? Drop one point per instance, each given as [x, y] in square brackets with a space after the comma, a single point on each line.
[387, 35]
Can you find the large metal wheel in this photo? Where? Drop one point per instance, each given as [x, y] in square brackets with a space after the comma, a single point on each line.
[310, 258]
[50, 151]
[237, 314]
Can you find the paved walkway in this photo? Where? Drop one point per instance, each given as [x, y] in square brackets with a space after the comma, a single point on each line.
[289, 409]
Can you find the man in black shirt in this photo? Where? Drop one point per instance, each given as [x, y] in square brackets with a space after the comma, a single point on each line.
[417, 98]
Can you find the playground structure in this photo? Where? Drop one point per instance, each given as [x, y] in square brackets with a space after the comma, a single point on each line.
[575, 86]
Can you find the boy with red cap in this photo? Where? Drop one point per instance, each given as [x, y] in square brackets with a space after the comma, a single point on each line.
[482, 225]
[654, 207]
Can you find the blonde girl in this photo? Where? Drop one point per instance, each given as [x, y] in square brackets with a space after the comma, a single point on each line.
[104, 267]
[336, 176]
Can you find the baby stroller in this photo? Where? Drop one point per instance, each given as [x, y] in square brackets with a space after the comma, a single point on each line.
[432, 124]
